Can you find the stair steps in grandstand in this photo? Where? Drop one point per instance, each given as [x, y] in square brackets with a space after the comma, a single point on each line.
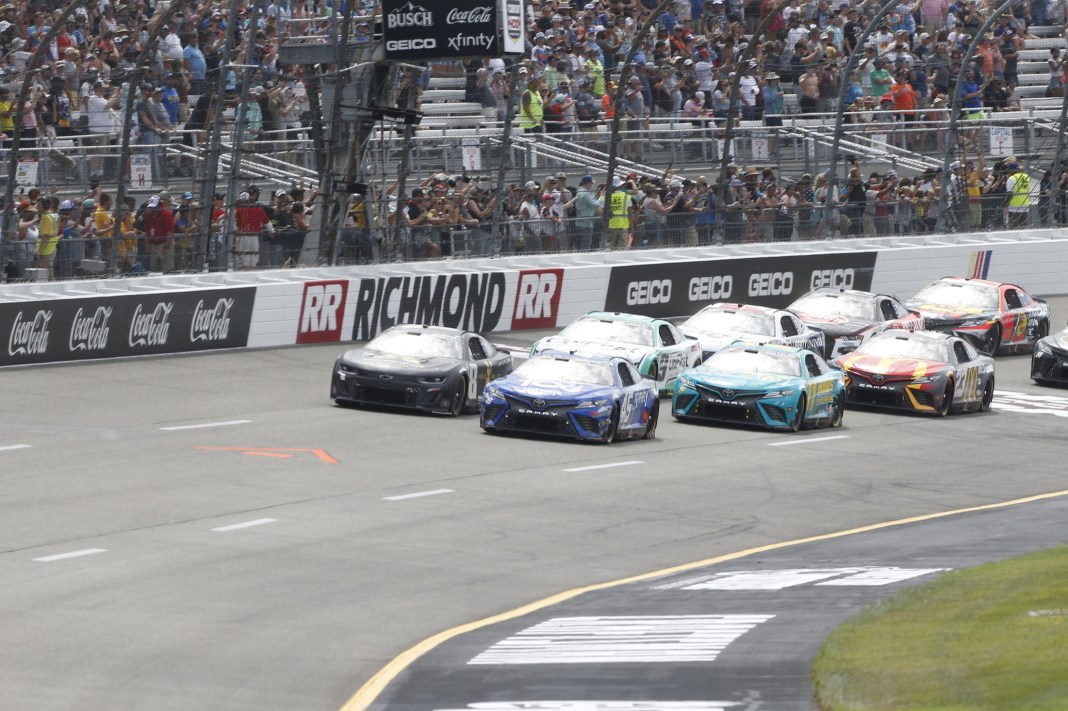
[441, 95]
[1044, 43]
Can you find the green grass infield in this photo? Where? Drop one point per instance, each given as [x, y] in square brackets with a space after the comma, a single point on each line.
[991, 637]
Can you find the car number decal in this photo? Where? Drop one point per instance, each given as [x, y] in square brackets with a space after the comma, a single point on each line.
[970, 384]
[626, 414]
[819, 394]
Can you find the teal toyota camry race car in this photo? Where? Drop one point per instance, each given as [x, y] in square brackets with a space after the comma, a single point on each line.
[767, 385]
[657, 348]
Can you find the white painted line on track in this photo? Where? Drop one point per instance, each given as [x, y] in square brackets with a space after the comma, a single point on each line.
[10, 447]
[246, 524]
[418, 494]
[604, 466]
[209, 424]
[807, 440]
[72, 554]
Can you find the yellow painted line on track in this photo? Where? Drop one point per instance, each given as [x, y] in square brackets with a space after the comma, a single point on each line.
[374, 686]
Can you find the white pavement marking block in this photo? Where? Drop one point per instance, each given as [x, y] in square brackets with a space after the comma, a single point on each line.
[621, 640]
[806, 440]
[246, 524]
[598, 706]
[603, 466]
[418, 495]
[10, 447]
[882, 576]
[209, 424]
[788, 578]
[1030, 403]
[72, 554]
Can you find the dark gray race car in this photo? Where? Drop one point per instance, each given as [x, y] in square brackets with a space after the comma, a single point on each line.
[419, 367]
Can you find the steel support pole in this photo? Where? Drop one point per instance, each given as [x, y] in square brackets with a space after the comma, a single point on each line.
[954, 113]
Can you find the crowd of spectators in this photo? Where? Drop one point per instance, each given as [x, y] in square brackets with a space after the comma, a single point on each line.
[449, 213]
[683, 67]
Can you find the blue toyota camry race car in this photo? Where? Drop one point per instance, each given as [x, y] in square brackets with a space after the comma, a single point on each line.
[588, 398]
[767, 385]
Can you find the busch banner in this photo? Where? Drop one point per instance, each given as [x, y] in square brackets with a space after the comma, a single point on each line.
[429, 29]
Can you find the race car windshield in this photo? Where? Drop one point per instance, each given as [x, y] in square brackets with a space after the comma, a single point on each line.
[974, 295]
[638, 334]
[912, 348]
[835, 305]
[739, 360]
[417, 344]
[733, 322]
[567, 371]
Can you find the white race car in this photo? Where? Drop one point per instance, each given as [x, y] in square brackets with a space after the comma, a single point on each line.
[657, 348]
[719, 325]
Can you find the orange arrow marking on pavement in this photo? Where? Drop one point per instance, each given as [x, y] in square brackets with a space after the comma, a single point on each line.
[276, 452]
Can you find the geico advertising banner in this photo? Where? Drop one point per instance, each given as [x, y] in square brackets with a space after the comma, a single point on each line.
[684, 288]
[431, 29]
[114, 326]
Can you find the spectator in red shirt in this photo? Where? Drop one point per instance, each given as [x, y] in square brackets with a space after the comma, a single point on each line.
[250, 220]
[159, 233]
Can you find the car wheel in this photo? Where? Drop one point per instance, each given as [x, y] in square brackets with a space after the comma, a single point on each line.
[654, 417]
[613, 425]
[839, 411]
[992, 344]
[947, 400]
[799, 416]
[988, 395]
[459, 399]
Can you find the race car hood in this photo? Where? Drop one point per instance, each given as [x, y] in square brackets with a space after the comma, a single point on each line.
[629, 351]
[895, 368]
[1058, 341]
[715, 341]
[744, 381]
[528, 389]
[947, 312]
[836, 325]
[380, 362]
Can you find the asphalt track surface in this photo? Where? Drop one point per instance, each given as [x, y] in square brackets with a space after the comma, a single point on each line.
[211, 532]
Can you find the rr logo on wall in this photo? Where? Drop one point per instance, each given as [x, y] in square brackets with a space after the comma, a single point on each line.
[322, 311]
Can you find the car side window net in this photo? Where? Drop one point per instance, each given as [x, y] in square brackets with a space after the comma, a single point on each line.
[788, 327]
[624, 375]
[1012, 299]
[665, 335]
[477, 351]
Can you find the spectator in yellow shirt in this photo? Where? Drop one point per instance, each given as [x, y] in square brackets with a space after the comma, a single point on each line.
[48, 238]
[7, 115]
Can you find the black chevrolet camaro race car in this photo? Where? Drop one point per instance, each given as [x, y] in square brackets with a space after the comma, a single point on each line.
[419, 367]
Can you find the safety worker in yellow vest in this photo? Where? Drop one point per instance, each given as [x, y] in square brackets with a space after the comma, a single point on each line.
[1019, 189]
[532, 108]
[620, 208]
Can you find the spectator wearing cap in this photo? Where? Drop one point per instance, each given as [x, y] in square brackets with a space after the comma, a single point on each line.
[253, 117]
[185, 232]
[251, 219]
[48, 234]
[159, 232]
[154, 124]
[532, 107]
[621, 208]
[588, 204]
[748, 89]
[634, 111]
[26, 235]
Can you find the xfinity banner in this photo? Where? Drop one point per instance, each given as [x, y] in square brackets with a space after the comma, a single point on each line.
[684, 288]
[430, 29]
[114, 326]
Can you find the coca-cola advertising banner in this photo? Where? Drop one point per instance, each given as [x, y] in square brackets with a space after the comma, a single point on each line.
[114, 326]
[430, 29]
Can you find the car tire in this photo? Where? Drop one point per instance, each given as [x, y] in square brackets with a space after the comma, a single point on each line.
[654, 417]
[613, 426]
[459, 399]
[799, 416]
[992, 344]
[947, 400]
[838, 415]
[988, 395]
